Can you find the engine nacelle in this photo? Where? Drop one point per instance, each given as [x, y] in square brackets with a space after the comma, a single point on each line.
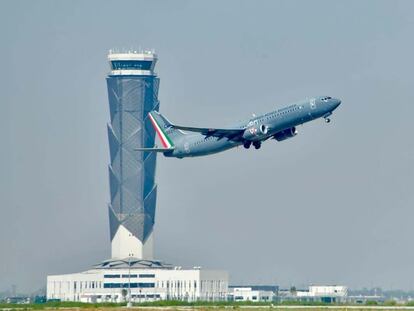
[285, 134]
[256, 132]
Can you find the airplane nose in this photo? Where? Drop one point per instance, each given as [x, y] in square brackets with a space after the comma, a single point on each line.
[336, 102]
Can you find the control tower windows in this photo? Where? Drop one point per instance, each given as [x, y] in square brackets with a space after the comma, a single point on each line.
[131, 65]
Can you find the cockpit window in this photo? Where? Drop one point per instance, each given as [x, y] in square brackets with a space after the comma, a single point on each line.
[326, 98]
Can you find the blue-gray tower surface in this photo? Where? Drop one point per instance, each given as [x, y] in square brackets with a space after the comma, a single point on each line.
[132, 93]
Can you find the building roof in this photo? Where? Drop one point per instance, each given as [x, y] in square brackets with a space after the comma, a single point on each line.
[132, 263]
[272, 288]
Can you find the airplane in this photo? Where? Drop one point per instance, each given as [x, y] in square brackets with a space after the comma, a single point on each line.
[185, 141]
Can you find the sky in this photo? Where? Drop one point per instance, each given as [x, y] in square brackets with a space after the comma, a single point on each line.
[334, 205]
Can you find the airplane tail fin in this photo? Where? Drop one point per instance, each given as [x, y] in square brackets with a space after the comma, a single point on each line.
[164, 129]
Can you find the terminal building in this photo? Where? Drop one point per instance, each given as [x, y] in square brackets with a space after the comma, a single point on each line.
[138, 281]
[316, 293]
[253, 293]
[132, 273]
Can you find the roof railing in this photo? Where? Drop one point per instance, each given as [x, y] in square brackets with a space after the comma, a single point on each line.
[131, 51]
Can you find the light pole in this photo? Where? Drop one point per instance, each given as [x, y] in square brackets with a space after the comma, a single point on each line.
[129, 304]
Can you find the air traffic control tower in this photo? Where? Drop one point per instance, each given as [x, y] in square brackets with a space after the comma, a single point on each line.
[132, 93]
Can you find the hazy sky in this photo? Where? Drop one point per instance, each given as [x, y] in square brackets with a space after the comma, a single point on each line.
[332, 205]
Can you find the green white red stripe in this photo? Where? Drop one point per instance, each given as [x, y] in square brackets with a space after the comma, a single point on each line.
[165, 140]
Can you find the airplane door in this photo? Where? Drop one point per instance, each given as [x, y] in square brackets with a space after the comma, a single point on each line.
[312, 106]
[187, 147]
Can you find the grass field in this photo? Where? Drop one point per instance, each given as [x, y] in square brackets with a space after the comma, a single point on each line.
[200, 306]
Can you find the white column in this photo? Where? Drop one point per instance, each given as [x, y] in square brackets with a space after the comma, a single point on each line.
[125, 244]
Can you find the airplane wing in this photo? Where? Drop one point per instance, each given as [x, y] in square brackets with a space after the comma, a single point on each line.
[155, 149]
[230, 133]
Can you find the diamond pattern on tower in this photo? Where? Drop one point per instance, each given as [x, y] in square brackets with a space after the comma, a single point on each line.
[113, 222]
[149, 179]
[150, 203]
[113, 142]
[132, 173]
[113, 183]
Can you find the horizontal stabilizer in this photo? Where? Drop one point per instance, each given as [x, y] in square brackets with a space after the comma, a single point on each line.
[155, 149]
[161, 123]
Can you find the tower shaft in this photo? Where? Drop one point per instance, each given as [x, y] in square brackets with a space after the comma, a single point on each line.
[132, 94]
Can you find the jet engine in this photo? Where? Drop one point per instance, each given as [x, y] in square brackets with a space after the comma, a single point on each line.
[255, 132]
[285, 134]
